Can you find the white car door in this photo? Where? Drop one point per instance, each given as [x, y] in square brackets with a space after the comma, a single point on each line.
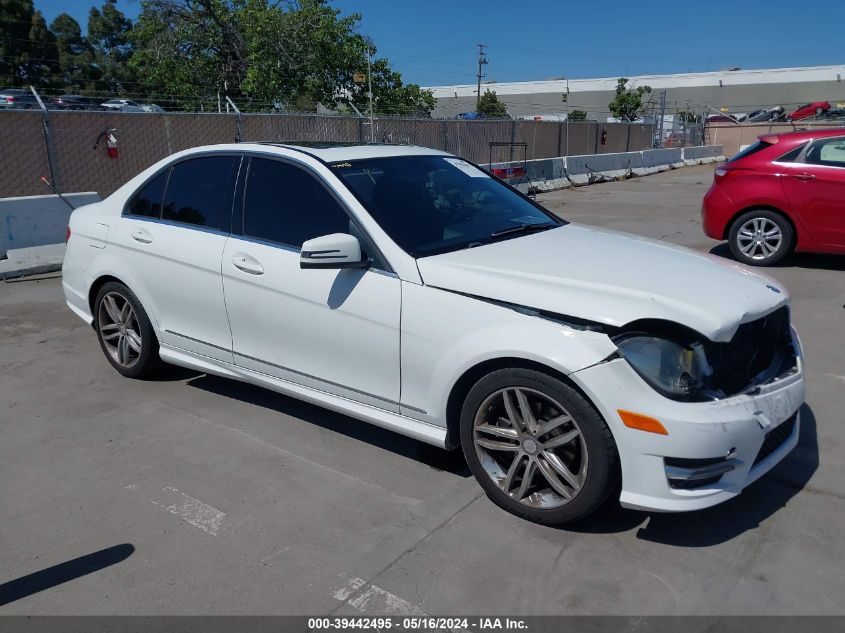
[336, 330]
[172, 235]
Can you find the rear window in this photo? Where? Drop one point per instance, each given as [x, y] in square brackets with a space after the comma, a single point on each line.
[751, 149]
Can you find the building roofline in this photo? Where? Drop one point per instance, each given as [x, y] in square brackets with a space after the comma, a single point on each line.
[834, 72]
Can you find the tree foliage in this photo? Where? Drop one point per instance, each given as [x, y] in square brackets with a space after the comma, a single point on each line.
[286, 55]
[490, 106]
[78, 71]
[577, 115]
[264, 54]
[627, 103]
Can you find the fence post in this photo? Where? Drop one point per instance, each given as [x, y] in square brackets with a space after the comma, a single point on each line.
[513, 139]
[445, 136]
[52, 166]
[628, 140]
[559, 138]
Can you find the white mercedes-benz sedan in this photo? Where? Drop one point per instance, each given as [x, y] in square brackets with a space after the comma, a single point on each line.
[410, 289]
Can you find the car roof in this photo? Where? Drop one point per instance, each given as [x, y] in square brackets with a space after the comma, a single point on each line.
[803, 135]
[328, 151]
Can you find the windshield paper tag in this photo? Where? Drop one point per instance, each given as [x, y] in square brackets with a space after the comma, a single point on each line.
[469, 170]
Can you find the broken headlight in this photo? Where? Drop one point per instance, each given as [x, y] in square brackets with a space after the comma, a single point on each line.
[672, 369]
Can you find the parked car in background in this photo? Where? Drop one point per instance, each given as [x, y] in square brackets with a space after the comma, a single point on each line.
[554, 116]
[675, 139]
[75, 102]
[784, 193]
[124, 105]
[408, 288]
[17, 99]
[768, 114]
[808, 109]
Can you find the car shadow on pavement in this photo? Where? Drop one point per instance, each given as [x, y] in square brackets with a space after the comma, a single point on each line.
[815, 261]
[449, 461]
[705, 528]
[172, 373]
[63, 572]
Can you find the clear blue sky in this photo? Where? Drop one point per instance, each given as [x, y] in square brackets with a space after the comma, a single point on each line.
[432, 42]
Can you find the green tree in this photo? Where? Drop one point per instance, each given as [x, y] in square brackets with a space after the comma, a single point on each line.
[490, 106]
[577, 115]
[15, 24]
[39, 63]
[627, 103]
[689, 117]
[264, 55]
[109, 32]
[77, 70]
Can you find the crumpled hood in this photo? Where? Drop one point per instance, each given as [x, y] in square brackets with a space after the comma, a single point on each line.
[610, 277]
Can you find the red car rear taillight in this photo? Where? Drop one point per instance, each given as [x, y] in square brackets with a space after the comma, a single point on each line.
[67, 235]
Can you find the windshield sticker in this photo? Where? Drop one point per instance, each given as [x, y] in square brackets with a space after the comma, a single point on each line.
[469, 170]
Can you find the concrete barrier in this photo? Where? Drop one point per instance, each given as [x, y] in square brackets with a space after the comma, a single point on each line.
[37, 220]
[547, 174]
[703, 155]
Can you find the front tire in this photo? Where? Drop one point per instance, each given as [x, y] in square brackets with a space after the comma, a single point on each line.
[537, 447]
[125, 333]
[760, 237]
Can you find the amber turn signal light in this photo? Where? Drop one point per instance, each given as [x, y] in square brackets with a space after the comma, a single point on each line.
[641, 422]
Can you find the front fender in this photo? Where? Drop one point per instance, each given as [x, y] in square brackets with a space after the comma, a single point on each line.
[445, 334]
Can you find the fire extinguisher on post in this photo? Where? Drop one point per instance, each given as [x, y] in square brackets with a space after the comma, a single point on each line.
[111, 142]
[604, 137]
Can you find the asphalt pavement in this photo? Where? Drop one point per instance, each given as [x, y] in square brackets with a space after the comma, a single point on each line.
[191, 494]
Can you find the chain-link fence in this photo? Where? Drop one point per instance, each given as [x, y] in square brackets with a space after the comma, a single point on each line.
[61, 145]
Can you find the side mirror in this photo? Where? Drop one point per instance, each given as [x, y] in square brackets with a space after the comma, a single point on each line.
[338, 250]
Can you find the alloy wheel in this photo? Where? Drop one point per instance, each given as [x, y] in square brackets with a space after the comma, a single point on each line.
[759, 238]
[530, 447]
[119, 329]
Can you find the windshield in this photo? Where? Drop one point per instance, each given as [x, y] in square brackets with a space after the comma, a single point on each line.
[435, 204]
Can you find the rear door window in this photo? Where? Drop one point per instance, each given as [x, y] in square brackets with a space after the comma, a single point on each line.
[829, 152]
[200, 190]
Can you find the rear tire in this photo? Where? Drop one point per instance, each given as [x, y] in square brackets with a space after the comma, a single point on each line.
[124, 331]
[537, 447]
[761, 237]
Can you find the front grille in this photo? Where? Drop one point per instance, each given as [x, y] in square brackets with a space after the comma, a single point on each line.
[775, 438]
[759, 352]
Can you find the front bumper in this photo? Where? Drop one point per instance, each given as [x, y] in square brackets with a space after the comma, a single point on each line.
[734, 428]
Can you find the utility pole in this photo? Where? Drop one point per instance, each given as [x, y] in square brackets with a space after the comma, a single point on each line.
[482, 60]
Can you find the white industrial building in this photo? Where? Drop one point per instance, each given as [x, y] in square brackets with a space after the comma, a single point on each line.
[730, 91]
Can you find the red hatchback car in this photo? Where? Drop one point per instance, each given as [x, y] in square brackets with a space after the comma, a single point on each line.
[784, 193]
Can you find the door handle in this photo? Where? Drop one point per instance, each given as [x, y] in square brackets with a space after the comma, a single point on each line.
[804, 176]
[142, 235]
[248, 264]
